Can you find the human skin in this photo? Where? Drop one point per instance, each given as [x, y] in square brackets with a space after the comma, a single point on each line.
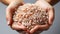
[50, 9]
[11, 7]
[47, 5]
[7, 2]
[52, 2]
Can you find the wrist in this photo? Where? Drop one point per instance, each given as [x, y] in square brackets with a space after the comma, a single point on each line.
[42, 2]
[52, 2]
[6, 2]
[49, 1]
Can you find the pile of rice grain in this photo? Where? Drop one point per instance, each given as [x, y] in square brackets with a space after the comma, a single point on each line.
[30, 15]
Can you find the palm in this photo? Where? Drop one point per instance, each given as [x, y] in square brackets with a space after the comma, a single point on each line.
[47, 7]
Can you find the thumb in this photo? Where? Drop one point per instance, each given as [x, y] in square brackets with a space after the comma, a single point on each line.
[9, 16]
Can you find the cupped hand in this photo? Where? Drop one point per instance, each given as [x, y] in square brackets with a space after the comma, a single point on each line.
[9, 15]
[47, 7]
[43, 4]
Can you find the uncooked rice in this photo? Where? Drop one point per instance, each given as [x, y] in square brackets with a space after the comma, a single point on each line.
[30, 15]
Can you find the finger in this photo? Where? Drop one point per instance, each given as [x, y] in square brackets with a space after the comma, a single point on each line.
[34, 29]
[9, 16]
[44, 27]
[18, 26]
[51, 15]
[39, 27]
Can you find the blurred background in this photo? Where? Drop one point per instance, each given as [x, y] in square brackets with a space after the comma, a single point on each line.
[5, 29]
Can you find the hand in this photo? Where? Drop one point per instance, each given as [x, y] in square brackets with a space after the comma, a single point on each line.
[9, 12]
[47, 7]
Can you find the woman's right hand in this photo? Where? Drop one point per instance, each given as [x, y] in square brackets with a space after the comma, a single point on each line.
[47, 7]
[9, 14]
